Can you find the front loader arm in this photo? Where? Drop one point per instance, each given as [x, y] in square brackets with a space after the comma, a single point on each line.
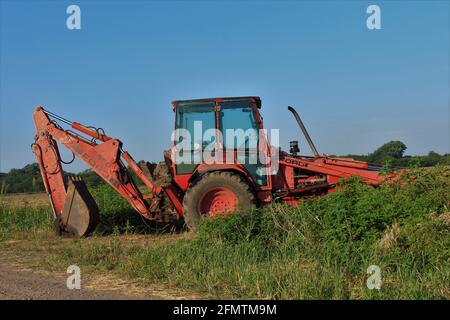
[338, 168]
[104, 158]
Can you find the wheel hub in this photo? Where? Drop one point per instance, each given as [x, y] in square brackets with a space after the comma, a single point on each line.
[218, 201]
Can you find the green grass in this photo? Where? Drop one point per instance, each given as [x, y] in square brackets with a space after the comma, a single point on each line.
[319, 250]
[18, 222]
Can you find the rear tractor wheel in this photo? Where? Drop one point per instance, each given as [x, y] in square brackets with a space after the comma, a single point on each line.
[216, 193]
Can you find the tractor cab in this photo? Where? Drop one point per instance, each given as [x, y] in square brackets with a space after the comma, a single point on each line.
[221, 133]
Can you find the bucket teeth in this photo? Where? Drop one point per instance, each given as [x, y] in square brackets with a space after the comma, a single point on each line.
[80, 212]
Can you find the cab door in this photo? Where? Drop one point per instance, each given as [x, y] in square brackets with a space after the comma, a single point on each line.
[240, 134]
[195, 118]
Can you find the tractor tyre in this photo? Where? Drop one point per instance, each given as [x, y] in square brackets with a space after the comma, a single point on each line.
[215, 193]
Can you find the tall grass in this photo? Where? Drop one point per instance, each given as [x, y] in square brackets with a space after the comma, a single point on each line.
[116, 215]
[318, 250]
[20, 221]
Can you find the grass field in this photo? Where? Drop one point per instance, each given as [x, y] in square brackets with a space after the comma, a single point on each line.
[319, 250]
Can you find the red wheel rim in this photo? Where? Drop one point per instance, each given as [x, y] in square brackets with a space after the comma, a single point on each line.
[218, 201]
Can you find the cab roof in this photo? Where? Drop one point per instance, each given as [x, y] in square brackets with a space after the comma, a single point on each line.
[256, 99]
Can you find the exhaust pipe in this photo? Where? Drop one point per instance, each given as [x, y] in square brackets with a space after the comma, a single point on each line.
[304, 131]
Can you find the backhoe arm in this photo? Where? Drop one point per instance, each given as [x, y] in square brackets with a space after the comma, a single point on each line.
[105, 159]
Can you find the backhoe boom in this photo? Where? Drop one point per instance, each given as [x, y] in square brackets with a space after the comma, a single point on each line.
[104, 158]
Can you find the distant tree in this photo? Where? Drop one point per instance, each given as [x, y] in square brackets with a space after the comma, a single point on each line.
[4, 187]
[27, 179]
[434, 158]
[391, 151]
[91, 178]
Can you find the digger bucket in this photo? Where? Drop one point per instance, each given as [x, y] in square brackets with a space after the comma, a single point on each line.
[80, 212]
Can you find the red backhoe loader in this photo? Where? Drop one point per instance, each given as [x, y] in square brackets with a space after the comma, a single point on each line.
[193, 189]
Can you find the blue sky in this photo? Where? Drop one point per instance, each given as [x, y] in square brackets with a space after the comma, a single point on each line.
[355, 88]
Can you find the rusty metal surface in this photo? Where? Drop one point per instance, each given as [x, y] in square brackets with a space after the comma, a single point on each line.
[80, 214]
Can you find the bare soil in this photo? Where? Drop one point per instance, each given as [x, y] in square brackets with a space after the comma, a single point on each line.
[23, 277]
[25, 284]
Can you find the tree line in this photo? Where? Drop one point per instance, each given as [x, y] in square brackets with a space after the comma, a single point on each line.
[29, 179]
[391, 154]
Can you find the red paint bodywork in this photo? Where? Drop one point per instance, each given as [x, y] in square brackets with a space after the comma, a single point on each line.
[297, 177]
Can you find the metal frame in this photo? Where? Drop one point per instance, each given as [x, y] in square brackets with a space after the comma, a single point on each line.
[298, 176]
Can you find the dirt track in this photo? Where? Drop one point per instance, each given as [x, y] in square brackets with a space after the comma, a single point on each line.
[19, 281]
[29, 285]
